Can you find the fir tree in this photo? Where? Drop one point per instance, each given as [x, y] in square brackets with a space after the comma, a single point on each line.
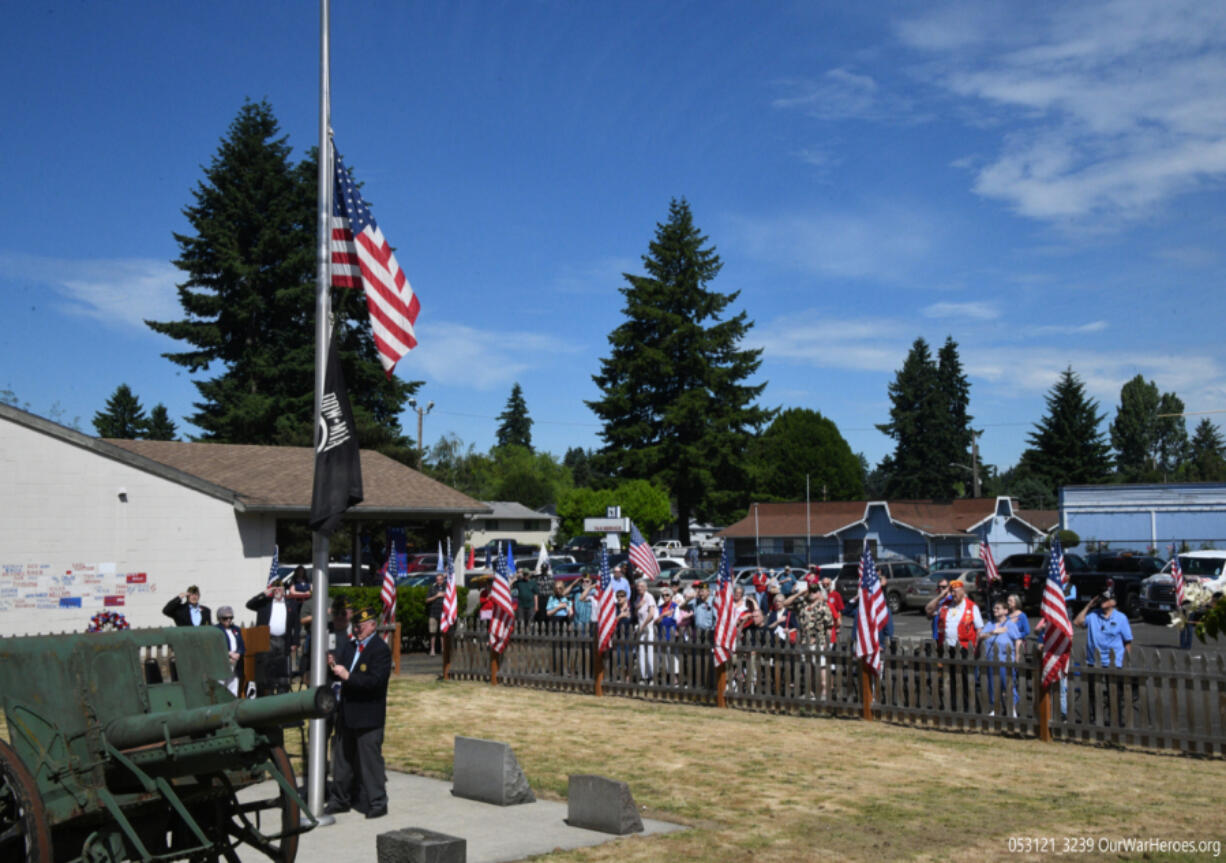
[919, 424]
[676, 407]
[123, 416]
[955, 393]
[1206, 460]
[801, 442]
[514, 424]
[1170, 436]
[160, 426]
[1067, 446]
[1134, 430]
[249, 299]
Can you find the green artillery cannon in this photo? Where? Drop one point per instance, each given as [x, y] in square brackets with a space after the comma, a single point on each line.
[128, 746]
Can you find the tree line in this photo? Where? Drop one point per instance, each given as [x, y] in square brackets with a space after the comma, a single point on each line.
[684, 435]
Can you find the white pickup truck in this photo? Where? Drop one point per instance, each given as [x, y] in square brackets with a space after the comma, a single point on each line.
[669, 548]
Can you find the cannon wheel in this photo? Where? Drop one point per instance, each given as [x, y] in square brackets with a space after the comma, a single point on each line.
[289, 806]
[24, 834]
[233, 817]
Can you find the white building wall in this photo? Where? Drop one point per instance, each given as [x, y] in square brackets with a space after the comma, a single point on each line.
[68, 542]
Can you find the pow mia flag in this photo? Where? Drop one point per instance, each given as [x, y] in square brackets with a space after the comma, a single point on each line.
[338, 464]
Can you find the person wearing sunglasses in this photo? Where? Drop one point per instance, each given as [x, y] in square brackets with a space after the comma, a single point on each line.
[234, 646]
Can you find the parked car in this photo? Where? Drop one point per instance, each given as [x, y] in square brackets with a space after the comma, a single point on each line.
[772, 560]
[899, 575]
[1158, 590]
[921, 591]
[583, 548]
[421, 563]
[668, 548]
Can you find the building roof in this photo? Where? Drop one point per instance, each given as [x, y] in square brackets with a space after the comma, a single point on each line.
[511, 509]
[280, 478]
[827, 518]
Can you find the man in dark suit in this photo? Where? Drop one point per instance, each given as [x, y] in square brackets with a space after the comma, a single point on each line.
[363, 665]
[281, 615]
[186, 610]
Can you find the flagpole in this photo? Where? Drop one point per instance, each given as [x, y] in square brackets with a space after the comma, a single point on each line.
[318, 747]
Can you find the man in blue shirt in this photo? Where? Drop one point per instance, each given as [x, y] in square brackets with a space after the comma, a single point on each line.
[704, 609]
[1109, 638]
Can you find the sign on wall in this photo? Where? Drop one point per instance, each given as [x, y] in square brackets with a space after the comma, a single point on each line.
[87, 586]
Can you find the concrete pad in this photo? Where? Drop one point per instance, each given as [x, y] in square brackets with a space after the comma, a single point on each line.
[493, 833]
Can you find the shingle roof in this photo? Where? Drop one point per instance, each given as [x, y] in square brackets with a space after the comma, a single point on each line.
[279, 478]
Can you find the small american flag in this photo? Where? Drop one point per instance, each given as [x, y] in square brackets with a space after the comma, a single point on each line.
[450, 602]
[388, 594]
[503, 619]
[274, 570]
[725, 613]
[1058, 635]
[606, 605]
[871, 614]
[362, 258]
[641, 554]
[1177, 574]
[510, 559]
[989, 562]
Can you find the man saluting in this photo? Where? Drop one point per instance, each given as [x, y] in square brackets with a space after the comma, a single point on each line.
[363, 666]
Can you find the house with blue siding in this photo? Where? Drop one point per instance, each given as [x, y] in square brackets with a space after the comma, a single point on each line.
[1146, 516]
[834, 531]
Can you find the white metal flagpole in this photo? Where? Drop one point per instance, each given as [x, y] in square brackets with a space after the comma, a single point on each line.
[318, 747]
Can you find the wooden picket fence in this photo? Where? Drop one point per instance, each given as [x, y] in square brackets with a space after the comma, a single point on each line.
[1161, 699]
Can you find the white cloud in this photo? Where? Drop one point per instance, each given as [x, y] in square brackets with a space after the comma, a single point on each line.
[842, 94]
[979, 311]
[1116, 106]
[597, 277]
[1068, 329]
[813, 338]
[883, 242]
[123, 292]
[460, 355]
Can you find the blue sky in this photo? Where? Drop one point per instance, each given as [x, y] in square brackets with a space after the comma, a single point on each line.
[1042, 181]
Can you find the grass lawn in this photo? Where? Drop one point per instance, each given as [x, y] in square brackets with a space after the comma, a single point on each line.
[757, 787]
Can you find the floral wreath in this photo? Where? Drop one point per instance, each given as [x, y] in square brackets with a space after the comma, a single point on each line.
[105, 621]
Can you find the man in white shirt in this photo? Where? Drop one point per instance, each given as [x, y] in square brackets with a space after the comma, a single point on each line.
[280, 614]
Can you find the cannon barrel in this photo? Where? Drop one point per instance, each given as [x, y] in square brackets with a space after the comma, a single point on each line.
[144, 728]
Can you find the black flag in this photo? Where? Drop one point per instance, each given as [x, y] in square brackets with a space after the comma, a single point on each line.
[338, 463]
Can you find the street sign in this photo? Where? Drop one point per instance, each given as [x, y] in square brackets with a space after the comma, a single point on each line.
[606, 525]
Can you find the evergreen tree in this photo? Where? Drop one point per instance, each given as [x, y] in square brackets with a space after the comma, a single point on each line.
[1134, 430]
[955, 394]
[514, 424]
[1067, 446]
[799, 442]
[583, 469]
[919, 423]
[123, 416]
[1206, 460]
[249, 297]
[1170, 436]
[676, 406]
[160, 426]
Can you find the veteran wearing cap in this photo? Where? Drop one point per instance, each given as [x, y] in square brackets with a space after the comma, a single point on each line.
[186, 610]
[363, 665]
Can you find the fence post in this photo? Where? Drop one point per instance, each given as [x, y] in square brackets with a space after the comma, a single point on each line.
[494, 657]
[721, 683]
[597, 668]
[447, 653]
[1044, 713]
[866, 692]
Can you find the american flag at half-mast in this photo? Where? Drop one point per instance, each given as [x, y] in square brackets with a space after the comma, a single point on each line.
[450, 602]
[606, 604]
[724, 635]
[1058, 634]
[503, 619]
[388, 594]
[274, 570]
[1176, 574]
[871, 614]
[641, 554]
[989, 561]
[362, 258]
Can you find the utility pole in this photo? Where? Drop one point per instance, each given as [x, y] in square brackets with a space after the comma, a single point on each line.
[421, 414]
[974, 462]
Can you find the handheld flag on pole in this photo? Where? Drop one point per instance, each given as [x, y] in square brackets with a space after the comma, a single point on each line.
[1176, 574]
[641, 554]
[450, 602]
[871, 613]
[606, 604]
[989, 562]
[338, 461]
[725, 614]
[362, 258]
[274, 574]
[1058, 634]
[503, 619]
[510, 562]
[388, 594]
